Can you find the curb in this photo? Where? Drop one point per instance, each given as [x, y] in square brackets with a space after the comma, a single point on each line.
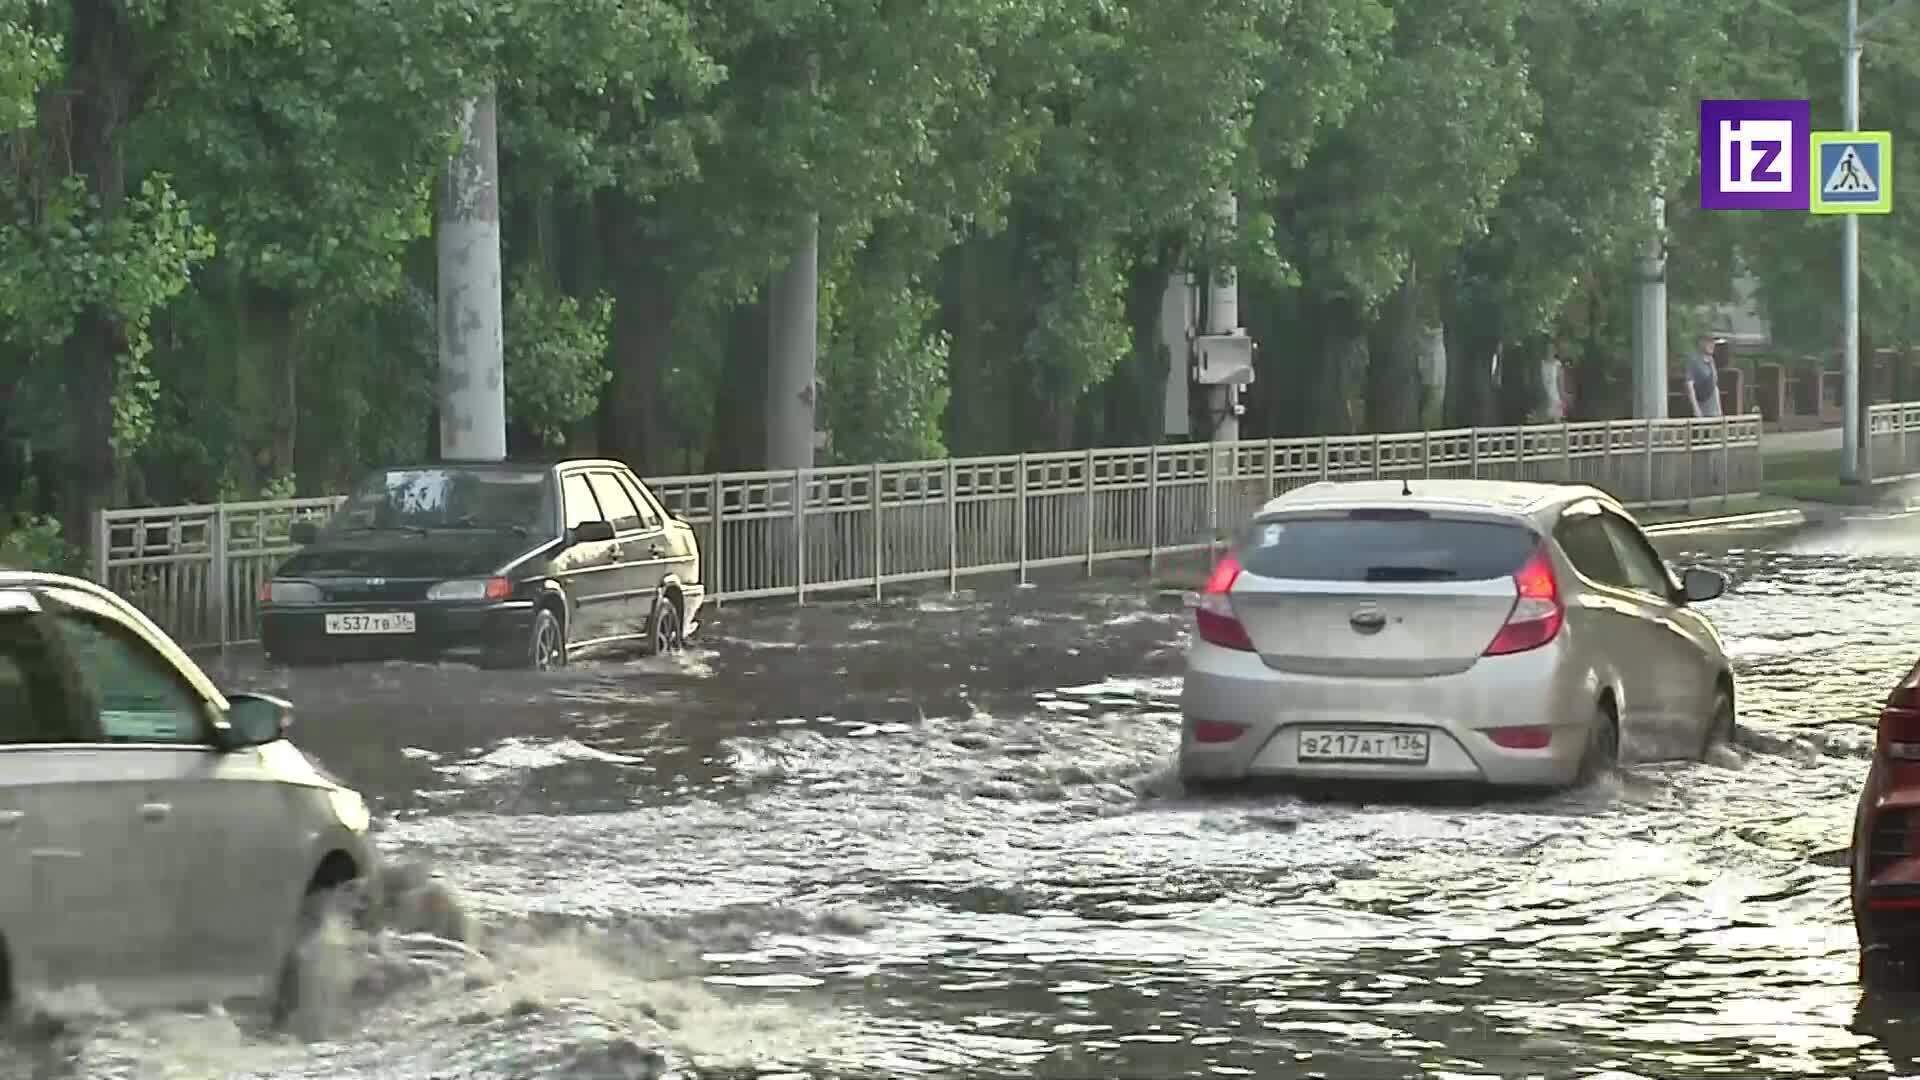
[1760, 519]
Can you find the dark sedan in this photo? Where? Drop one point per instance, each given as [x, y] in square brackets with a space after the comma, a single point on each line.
[516, 565]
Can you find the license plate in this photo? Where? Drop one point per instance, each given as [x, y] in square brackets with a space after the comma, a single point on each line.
[374, 622]
[1392, 747]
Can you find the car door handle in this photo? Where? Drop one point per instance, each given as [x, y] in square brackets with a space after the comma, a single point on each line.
[655, 550]
[155, 811]
[10, 818]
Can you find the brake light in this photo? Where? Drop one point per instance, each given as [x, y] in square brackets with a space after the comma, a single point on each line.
[499, 588]
[1899, 734]
[1213, 616]
[1537, 613]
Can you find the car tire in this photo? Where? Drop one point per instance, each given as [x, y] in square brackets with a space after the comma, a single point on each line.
[544, 648]
[316, 978]
[1722, 723]
[1602, 754]
[667, 629]
[1883, 972]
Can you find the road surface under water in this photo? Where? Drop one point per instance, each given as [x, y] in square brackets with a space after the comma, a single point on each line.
[941, 837]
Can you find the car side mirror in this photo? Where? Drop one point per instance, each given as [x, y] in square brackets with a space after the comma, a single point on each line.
[303, 532]
[1699, 585]
[592, 532]
[256, 720]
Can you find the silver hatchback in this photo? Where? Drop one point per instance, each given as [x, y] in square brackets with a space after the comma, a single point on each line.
[1505, 633]
[163, 843]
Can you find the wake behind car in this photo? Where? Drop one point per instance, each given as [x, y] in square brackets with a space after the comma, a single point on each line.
[1885, 857]
[164, 844]
[1460, 630]
[517, 565]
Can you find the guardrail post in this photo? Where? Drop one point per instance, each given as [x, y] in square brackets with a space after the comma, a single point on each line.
[1213, 499]
[1153, 507]
[1566, 453]
[1519, 452]
[1326, 464]
[1426, 454]
[1726, 460]
[219, 579]
[799, 536]
[953, 529]
[1648, 498]
[1690, 467]
[1020, 510]
[710, 569]
[1606, 455]
[1376, 457]
[1473, 453]
[99, 553]
[1089, 479]
[879, 520]
[1273, 469]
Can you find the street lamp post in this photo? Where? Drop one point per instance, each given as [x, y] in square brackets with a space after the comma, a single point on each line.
[1850, 456]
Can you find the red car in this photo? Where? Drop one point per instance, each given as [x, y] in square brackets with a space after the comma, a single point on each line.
[1885, 858]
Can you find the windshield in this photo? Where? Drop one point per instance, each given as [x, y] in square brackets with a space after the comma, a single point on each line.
[448, 498]
[1384, 546]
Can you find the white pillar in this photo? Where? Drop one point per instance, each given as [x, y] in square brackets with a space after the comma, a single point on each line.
[473, 395]
[1650, 323]
[793, 356]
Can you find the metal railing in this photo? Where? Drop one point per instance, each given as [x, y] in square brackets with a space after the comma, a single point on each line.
[196, 569]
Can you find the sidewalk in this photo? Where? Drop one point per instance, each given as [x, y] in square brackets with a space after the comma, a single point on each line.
[1781, 443]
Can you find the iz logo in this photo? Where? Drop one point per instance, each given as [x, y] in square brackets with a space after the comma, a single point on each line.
[1754, 153]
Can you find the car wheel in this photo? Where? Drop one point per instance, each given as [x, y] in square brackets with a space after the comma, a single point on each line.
[1602, 754]
[668, 633]
[1883, 972]
[543, 649]
[1720, 728]
[316, 979]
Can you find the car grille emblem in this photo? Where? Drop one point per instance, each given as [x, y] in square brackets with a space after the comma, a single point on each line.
[1367, 621]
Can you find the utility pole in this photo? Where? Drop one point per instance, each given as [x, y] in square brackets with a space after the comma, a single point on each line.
[1850, 276]
[793, 355]
[1176, 337]
[473, 402]
[1223, 358]
[1650, 322]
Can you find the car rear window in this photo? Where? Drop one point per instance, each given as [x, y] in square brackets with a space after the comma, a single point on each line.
[1384, 545]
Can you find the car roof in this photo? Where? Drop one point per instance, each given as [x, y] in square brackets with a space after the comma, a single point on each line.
[1516, 497]
[507, 466]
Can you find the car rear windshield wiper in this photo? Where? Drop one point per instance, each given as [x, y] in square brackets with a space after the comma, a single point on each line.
[1410, 573]
[414, 529]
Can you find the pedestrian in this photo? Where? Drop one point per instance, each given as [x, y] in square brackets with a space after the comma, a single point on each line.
[1703, 379]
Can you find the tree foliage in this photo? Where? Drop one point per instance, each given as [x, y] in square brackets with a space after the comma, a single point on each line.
[216, 259]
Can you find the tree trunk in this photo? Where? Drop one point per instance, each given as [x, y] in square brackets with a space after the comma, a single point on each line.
[101, 96]
[1337, 382]
[1521, 381]
[737, 438]
[632, 414]
[1394, 386]
[1470, 352]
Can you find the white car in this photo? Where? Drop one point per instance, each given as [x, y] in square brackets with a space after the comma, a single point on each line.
[1462, 630]
[164, 844]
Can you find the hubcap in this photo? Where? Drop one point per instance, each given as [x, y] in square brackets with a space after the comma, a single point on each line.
[546, 645]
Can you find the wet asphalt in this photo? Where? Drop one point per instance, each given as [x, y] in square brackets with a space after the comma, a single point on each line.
[941, 836]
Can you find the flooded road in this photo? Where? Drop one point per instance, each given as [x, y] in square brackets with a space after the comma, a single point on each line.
[941, 837]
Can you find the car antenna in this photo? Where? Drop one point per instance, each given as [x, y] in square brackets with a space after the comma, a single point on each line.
[1406, 488]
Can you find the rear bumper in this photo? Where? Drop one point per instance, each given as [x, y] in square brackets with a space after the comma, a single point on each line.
[439, 629]
[1274, 708]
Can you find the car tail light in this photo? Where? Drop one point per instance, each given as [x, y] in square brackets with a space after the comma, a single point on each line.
[1899, 735]
[1537, 613]
[1526, 737]
[1213, 615]
[499, 588]
[1216, 731]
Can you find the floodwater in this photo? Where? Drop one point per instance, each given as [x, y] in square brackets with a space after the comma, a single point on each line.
[940, 837]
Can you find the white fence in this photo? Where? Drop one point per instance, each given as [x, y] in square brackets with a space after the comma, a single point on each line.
[196, 569]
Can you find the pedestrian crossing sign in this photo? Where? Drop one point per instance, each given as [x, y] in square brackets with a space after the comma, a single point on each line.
[1852, 172]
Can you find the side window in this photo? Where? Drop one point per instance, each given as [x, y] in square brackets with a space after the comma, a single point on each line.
[644, 502]
[1642, 564]
[579, 500]
[38, 701]
[619, 507]
[1584, 539]
[139, 694]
